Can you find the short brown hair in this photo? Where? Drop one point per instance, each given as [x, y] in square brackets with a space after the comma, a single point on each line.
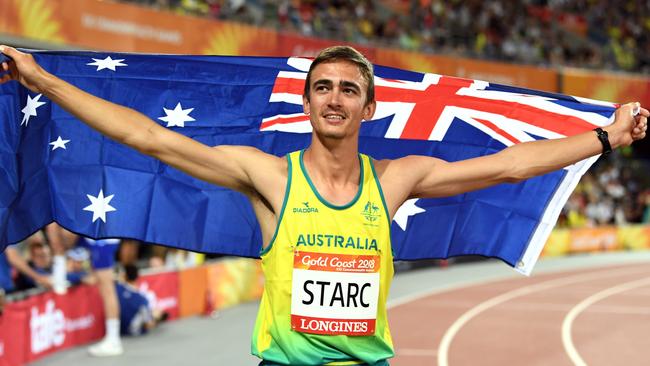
[345, 53]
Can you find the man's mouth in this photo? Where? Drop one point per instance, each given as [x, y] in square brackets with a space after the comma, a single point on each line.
[333, 117]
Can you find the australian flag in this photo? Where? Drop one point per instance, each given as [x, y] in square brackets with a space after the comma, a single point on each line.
[54, 168]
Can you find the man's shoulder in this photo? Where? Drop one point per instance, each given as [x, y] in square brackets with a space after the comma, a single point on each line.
[133, 292]
[397, 167]
[256, 162]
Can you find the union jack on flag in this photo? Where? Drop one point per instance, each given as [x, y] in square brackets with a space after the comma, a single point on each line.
[55, 168]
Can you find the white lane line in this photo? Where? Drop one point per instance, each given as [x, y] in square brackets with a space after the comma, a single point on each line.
[447, 338]
[567, 324]
[406, 299]
[537, 307]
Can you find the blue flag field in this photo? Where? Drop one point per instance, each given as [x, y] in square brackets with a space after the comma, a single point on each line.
[54, 168]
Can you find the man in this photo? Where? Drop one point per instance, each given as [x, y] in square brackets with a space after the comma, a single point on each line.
[136, 315]
[78, 267]
[324, 212]
[102, 260]
[12, 258]
[60, 240]
[40, 261]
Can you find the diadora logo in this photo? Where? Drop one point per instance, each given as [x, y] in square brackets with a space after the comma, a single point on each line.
[305, 208]
[371, 212]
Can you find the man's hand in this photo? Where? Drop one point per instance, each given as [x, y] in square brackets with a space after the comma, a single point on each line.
[23, 69]
[43, 281]
[628, 126]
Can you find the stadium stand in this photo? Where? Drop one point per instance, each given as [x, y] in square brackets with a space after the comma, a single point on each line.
[589, 34]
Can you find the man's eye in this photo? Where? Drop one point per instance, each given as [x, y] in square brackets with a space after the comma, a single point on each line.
[321, 88]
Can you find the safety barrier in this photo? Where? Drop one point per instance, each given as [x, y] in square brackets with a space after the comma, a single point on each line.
[45, 323]
[597, 239]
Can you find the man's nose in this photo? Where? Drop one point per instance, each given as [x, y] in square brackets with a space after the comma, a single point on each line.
[334, 98]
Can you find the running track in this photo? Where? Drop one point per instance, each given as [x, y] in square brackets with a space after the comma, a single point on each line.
[587, 310]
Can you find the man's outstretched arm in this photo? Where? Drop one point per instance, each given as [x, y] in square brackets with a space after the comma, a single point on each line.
[422, 177]
[228, 166]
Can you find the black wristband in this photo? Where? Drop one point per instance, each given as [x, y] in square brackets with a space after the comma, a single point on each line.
[604, 139]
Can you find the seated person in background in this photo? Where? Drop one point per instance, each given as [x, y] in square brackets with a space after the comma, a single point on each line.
[40, 262]
[136, 315]
[12, 259]
[78, 267]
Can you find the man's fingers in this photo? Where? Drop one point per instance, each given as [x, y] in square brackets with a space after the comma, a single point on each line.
[639, 119]
[5, 56]
[644, 112]
[9, 51]
[637, 110]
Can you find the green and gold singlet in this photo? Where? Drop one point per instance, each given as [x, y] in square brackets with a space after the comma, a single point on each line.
[328, 269]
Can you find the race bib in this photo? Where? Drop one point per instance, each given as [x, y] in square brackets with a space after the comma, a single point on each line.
[334, 294]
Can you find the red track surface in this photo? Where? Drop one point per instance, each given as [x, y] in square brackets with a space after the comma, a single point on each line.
[605, 312]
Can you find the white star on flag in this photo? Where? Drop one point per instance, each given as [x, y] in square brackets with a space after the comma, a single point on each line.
[99, 206]
[177, 116]
[59, 143]
[406, 210]
[107, 63]
[30, 108]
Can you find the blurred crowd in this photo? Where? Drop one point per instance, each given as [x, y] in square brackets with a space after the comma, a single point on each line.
[56, 259]
[603, 34]
[31, 262]
[614, 192]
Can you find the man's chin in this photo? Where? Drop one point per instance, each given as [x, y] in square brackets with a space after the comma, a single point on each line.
[333, 135]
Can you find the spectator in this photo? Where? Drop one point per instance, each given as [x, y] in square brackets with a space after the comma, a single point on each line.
[40, 261]
[60, 240]
[597, 34]
[102, 258]
[15, 260]
[136, 315]
[78, 267]
[102, 254]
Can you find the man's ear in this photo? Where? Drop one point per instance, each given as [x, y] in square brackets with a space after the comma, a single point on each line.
[305, 104]
[369, 110]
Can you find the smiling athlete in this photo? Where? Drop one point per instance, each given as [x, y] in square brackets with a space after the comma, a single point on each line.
[325, 212]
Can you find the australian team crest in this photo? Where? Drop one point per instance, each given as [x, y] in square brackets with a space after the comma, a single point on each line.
[370, 212]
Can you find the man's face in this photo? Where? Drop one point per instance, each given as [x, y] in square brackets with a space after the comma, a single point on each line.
[337, 101]
[41, 257]
[75, 265]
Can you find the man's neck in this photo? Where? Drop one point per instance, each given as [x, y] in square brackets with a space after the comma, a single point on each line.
[334, 162]
[334, 169]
